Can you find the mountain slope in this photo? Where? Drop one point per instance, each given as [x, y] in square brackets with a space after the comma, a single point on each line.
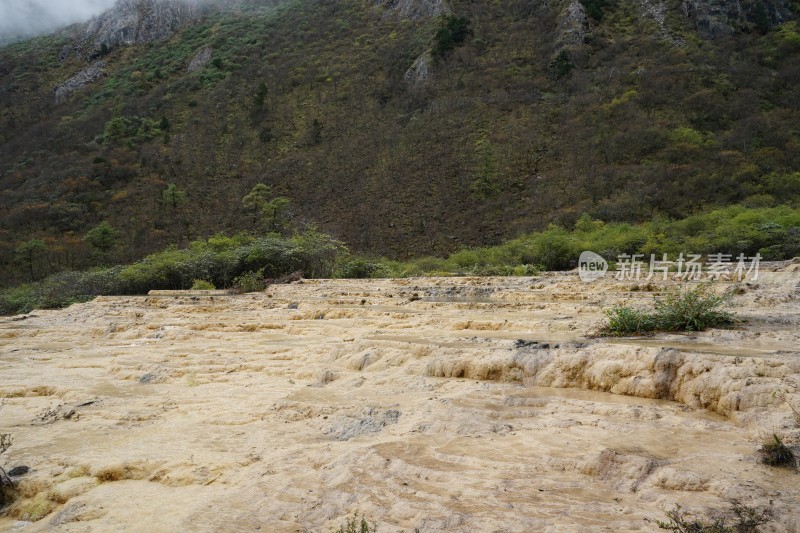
[383, 129]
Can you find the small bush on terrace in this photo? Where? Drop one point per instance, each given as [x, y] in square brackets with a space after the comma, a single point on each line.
[250, 282]
[694, 309]
[776, 453]
[623, 320]
[739, 519]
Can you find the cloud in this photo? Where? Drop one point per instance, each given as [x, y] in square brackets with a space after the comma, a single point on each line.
[24, 18]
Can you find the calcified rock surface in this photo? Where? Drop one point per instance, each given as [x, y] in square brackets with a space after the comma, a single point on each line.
[458, 404]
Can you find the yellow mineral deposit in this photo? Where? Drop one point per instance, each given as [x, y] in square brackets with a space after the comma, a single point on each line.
[439, 404]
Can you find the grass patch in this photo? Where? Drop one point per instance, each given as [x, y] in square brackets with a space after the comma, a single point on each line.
[694, 309]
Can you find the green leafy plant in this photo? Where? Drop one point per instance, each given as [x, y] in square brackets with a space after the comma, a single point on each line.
[102, 237]
[220, 261]
[695, 309]
[692, 310]
[172, 196]
[624, 320]
[269, 212]
[252, 281]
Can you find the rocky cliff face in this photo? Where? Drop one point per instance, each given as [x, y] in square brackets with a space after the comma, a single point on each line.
[416, 9]
[132, 22]
[140, 21]
[89, 75]
[715, 18]
[129, 22]
[574, 23]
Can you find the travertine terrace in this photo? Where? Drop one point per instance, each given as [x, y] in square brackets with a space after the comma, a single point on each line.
[437, 404]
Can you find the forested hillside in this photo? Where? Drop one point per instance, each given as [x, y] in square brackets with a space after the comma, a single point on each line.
[402, 128]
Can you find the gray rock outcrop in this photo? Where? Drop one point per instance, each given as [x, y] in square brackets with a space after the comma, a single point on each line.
[201, 59]
[87, 76]
[715, 18]
[139, 21]
[416, 9]
[420, 73]
[574, 24]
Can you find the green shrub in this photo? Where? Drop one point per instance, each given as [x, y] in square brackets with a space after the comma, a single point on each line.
[202, 285]
[692, 310]
[219, 261]
[61, 290]
[623, 320]
[17, 300]
[554, 249]
[360, 269]
[250, 282]
[527, 270]
[131, 128]
[776, 453]
[680, 310]
[452, 32]
[562, 64]
[594, 8]
[317, 253]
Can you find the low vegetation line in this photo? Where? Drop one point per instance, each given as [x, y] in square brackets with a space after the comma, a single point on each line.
[244, 260]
